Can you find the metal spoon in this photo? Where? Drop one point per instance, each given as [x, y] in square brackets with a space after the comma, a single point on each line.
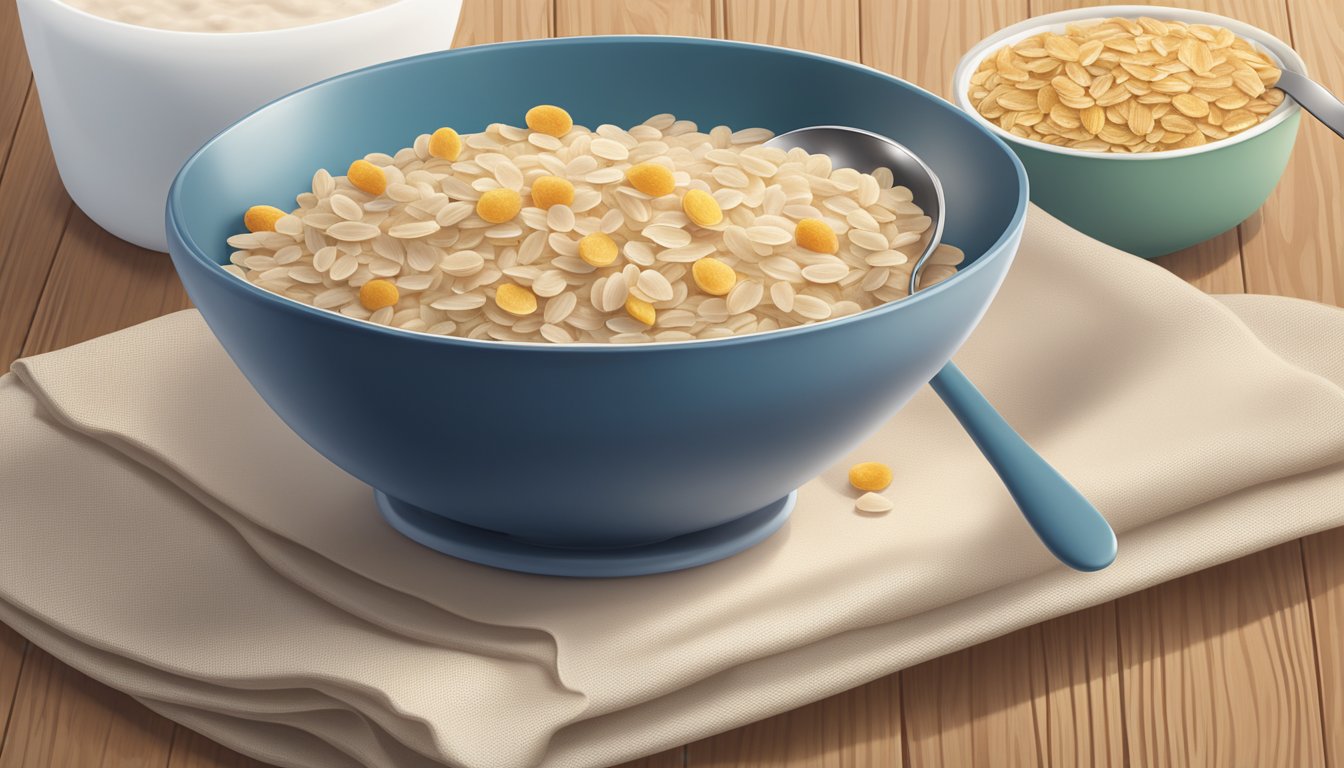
[1066, 522]
[1314, 98]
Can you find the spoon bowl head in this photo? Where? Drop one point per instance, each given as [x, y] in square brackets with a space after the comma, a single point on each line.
[864, 151]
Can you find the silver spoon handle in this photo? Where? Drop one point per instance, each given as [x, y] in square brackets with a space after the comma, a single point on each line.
[1315, 99]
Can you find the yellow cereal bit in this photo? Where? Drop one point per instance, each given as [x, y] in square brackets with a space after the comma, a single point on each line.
[262, 218]
[870, 476]
[376, 294]
[598, 249]
[713, 276]
[641, 310]
[445, 144]
[515, 299]
[652, 179]
[367, 177]
[552, 190]
[816, 235]
[548, 119]
[499, 205]
[701, 208]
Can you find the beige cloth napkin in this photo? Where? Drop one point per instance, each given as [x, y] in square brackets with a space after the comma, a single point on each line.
[164, 532]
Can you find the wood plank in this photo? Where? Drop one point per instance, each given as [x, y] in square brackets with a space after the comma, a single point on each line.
[922, 42]
[1084, 708]
[98, 285]
[1044, 695]
[62, 718]
[1213, 266]
[1324, 554]
[192, 750]
[860, 728]
[1008, 700]
[33, 213]
[635, 17]
[823, 26]
[15, 77]
[1294, 247]
[1218, 667]
[1270, 15]
[937, 715]
[497, 21]
[13, 647]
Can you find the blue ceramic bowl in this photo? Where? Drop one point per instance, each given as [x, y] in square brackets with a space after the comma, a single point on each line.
[587, 459]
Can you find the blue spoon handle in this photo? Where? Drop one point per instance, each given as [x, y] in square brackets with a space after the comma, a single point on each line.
[1069, 526]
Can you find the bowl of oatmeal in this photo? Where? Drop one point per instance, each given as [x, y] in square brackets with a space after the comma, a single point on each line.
[549, 231]
[130, 89]
[1148, 128]
[497, 386]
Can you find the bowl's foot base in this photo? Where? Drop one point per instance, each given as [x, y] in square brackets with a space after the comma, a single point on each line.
[502, 551]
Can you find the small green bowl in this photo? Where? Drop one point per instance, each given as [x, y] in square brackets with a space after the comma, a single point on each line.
[1158, 202]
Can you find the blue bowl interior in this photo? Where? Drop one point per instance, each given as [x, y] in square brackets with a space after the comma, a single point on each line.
[620, 80]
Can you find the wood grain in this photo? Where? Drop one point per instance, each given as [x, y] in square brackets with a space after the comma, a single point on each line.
[977, 705]
[13, 647]
[1293, 247]
[62, 718]
[112, 283]
[1218, 667]
[936, 715]
[824, 26]
[1044, 695]
[922, 41]
[1008, 709]
[497, 21]
[1324, 556]
[1084, 707]
[860, 728]
[1213, 266]
[14, 77]
[635, 17]
[192, 750]
[33, 213]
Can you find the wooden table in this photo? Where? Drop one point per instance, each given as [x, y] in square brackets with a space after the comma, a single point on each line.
[1242, 664]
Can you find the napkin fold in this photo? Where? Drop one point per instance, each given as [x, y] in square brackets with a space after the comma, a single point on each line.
[167, 534]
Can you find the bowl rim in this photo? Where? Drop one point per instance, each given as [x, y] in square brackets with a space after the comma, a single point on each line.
[177, 231]
[1280, 51]
[199, 37]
